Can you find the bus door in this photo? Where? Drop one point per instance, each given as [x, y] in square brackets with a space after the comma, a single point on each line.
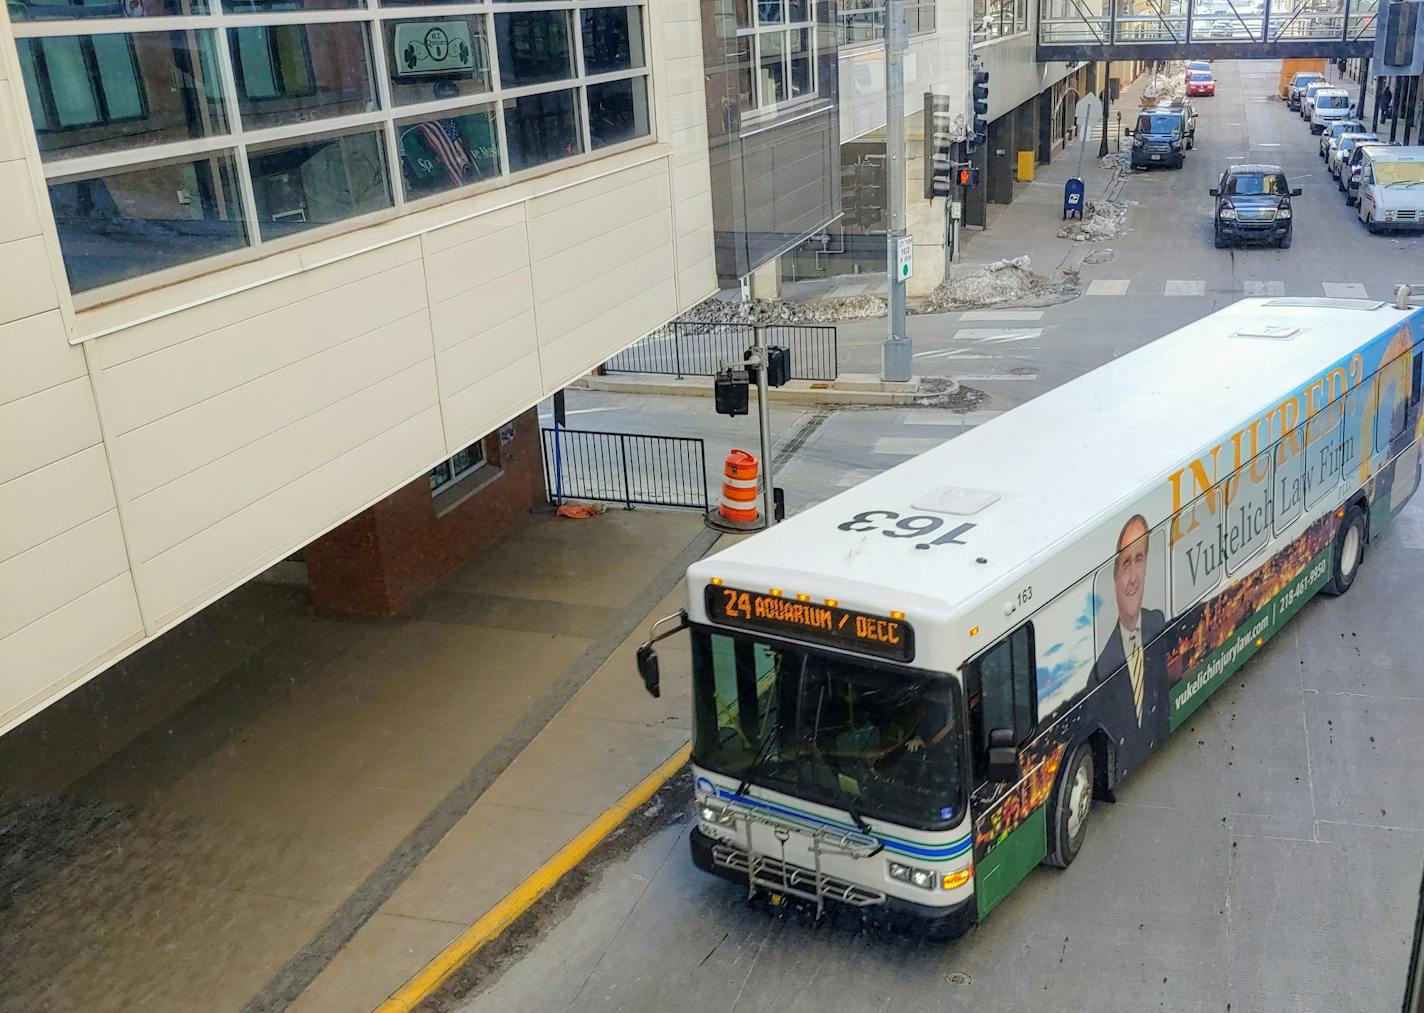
[1010, 833]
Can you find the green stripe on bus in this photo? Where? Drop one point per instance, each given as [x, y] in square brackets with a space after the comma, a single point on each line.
[1012, 859]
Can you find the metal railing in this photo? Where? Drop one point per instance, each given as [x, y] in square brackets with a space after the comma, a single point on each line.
[628, 468]
[688, 348]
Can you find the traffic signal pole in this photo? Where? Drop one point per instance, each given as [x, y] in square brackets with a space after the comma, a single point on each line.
[896, 355]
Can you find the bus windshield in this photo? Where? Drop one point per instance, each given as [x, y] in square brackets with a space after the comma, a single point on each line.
[857, 737]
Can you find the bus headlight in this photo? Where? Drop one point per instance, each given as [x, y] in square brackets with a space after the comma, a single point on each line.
[719, 817]
[923, 878]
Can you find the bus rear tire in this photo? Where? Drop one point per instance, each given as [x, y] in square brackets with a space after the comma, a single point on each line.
[1072, 805]
[1349, 551]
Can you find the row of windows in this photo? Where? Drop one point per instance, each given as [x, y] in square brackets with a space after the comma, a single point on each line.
[995, 19]
[448, 472]
[775, 53]
[861, 21]
[163, 147]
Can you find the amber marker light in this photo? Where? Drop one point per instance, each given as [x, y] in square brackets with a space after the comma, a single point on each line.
[973, 631]
[715, 582]
[803, 597]
[833, 602]
[897, 614]
[952, 880]
[776, 592]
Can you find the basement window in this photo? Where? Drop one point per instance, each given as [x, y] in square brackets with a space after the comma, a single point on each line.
[466, 462]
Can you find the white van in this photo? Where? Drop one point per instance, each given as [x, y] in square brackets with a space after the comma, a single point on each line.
[1392, 188]
[1329, 105]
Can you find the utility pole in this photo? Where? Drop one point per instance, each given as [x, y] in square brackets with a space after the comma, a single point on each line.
[896, 356]
[763, 363]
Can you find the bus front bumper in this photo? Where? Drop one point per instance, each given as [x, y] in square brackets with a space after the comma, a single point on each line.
[919, 919]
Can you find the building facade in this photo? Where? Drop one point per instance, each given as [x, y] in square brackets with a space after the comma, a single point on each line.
[269, 269]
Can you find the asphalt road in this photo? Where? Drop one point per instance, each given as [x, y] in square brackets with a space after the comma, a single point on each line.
[1266, 860]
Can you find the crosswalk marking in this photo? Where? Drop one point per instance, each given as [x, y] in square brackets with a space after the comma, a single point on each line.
[972, 338]
[1108, 286]
[1344, 290]
[1002, 315]
[903, 445]
[1255, 287]
[1177, 286]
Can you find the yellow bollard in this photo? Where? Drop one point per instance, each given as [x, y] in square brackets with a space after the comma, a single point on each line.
[1026, 163]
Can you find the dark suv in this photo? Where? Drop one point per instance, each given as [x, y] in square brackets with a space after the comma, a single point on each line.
[1253, 204]
[1159, 138]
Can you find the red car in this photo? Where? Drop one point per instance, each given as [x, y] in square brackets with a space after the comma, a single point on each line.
[1200, 82]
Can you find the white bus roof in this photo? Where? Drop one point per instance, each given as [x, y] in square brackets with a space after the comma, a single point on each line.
[1067, 460]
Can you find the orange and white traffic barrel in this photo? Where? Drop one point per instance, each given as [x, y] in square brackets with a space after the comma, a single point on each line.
[740, 488]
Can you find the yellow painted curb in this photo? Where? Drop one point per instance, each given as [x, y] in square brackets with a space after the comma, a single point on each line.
[523, 897]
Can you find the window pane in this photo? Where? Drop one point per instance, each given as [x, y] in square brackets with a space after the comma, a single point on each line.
[612, 39]
[617, 111]
[317, 182]
[798, 10]
[440, 475]
[131, 91]
[440, 59]
[742, 57]
[264, 6]
[541, 128]
[801, 55]
[769, 12]
[62, 10]
[134, 222]
[742, 11]
[534, 47]
[443, 152]
[771, 48]
[298, 73]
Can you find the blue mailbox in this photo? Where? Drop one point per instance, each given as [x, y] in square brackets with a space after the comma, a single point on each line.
[1073, 197]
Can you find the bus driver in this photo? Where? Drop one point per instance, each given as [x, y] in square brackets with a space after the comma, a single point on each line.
[1134, 703]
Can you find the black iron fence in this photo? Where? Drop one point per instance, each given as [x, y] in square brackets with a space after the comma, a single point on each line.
[686, 348]
[628, 468]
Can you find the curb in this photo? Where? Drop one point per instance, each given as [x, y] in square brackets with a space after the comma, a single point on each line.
[526, 894]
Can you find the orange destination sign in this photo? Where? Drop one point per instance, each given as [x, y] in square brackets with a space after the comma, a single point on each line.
[805, 620]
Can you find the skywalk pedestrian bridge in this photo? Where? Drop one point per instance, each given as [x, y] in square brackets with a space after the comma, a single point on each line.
[1195, 29]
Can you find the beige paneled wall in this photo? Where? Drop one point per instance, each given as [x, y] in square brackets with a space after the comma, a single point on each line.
[250, 409]
[67, 603]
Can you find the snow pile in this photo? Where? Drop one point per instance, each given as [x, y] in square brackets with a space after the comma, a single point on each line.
[1102, 219]
[1166, 87]
[1117, 160]
[1100, 256]
[779, 311]
[1000, 282]
[943, 392]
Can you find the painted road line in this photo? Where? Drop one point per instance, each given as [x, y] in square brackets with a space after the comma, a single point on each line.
[1254, 287]
[1178, 286]
[940, 417]
[1344, 290]
[1108, 286]
[940, 353]
[1004, 337]
[526, 894]
[902, 446]
[995, 376]
[1002, 315]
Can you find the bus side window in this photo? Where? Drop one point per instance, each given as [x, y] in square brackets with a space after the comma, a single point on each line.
[1414, 382]
[1002, 691]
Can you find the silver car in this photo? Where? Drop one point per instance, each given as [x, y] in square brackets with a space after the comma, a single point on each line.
[1345, 144]
[1332, 133]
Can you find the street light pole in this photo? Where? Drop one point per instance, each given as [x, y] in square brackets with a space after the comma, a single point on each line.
[896, 359]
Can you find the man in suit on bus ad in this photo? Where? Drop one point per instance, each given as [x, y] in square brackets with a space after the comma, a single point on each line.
[1134, 704]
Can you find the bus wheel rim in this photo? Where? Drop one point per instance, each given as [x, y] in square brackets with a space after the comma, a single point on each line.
[1350, 551]
[1080, 800]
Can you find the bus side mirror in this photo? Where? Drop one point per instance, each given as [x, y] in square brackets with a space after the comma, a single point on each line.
[1296, 191]
[1127, 132]
[1214, 192]
[648, 669]
[1003, 756]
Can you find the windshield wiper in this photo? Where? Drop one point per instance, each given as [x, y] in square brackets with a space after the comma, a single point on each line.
[763, 751]
[837, 773]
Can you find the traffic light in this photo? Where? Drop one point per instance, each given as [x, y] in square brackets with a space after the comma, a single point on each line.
[940, 143]
[730, 390]
[967, 176]
[979, 106]
[778, 366]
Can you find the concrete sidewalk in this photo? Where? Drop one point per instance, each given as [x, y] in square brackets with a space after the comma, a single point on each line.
[267, 806]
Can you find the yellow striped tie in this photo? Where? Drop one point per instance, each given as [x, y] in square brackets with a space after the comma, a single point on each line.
[1134, 667]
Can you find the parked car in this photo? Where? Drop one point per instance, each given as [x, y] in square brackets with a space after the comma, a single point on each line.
[1253, 204]
[1329, 105]
[1159, 138]
[1200, 82]
[1307, 97]
[1350, 172]
[1344, 144]
[1189, 117]
[1392, 189]
[1196, 65]
[1298, 81]
[1333, 132]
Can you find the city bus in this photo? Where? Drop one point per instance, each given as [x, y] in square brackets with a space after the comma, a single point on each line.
[911, 694]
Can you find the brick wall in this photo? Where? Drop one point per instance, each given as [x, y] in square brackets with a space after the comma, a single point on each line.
[384, 559]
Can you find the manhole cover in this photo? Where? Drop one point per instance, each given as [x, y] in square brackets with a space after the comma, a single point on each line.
[957, 978]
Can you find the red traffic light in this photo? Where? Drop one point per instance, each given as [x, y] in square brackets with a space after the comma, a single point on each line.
[967, 176]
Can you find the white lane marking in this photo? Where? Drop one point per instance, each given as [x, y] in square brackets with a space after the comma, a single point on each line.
[995, 376]
[904, 444]
[960, 353]
[1254, 287]
[1178, 286]
[1109, 286]
[1027, 334]
[1266, 144]
[933, 417]
[1344, 290]
[1002, 315]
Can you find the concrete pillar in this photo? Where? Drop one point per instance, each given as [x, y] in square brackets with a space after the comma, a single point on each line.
[765, 281]
[1026, 129]
[1001, 160]
[1045, 126]
[924, 219]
